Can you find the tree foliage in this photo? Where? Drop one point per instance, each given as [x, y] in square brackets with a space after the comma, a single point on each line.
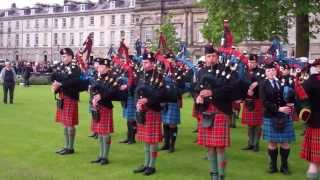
[259, 20]
[169, 31]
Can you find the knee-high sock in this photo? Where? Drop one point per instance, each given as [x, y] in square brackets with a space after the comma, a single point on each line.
[284, 153]
[212, 156]
[250, 135]
[71, 136]
[257, 135]
[153, 155]
[66, 137]
[222, 163]
[107, 144]
[146, 154]
[166, 134]
[101, 146]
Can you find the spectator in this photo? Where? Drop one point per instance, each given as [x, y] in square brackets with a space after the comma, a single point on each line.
[27, 74]
[7, 77]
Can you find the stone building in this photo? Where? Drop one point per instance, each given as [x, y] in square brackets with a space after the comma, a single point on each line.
[37, 33]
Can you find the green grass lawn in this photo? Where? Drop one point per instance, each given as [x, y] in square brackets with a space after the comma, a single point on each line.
[29, 137]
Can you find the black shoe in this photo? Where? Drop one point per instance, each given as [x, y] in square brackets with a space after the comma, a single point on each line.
[124, 141]
[96, 161]
[285, 170]
[140, 169]
[171, 149]
[94, 135]
[67, 151]
[60, 150]
[164, 147]
[249, 147]
[149, 171]
[272, 170]
[256, 148]
[104, 161]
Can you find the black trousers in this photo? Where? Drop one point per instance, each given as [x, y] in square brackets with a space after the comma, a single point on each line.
[26, 81]
[8, 87]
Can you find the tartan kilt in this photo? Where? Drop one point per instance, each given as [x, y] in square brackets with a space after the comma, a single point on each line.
[218, 135]
[311, 145]
[253, 118]
[172, 115]
[68, 115]
[150, 132]
[271, 135]
[105, 123]
[130, 110]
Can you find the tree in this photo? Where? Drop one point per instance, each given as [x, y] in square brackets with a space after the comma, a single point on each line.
[263, 19]
[169, 32]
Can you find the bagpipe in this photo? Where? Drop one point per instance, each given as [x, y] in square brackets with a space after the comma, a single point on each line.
[83, 58]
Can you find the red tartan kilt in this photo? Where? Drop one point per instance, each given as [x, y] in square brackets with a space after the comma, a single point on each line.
[311, 145]
[68, 116]
[253, 118]
[150, 132]
[105, 123]
[217, 135]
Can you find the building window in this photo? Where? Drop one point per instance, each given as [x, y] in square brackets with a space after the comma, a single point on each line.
[199, 37]
[55, 23]
[82, 7]
[80, 38]
[28, 24]
[113, 19]
[45, 39]
[1, 40]
[81, 22]
[1, 26]
[28, 40]
[46, 24]
[72, 22]
[101, 20]
[9, 26]
[55, 39]
[9, 40]
[122, 35]
[63, 39]
[132, 40]
[92, 21]
[36, 23]
[123, 19]
[36, 40]
[132, 3]
[148, 35]
[92, 36]
[132, 19]
[64, 22]
[101, 38]
[17, 40]
[66, 9]
[17, 24]
[71, 39]
[112, 4]
[112, 37]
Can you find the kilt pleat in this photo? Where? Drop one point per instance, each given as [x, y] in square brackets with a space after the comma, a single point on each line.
[311, 145]
[272, 135]
[151, 131]
[172, 114]
[105, 123]
[68, 115]
[218, 135]
[130, 110]
[253, 118]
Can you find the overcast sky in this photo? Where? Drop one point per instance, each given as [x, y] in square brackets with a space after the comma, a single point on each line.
[5, 4]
